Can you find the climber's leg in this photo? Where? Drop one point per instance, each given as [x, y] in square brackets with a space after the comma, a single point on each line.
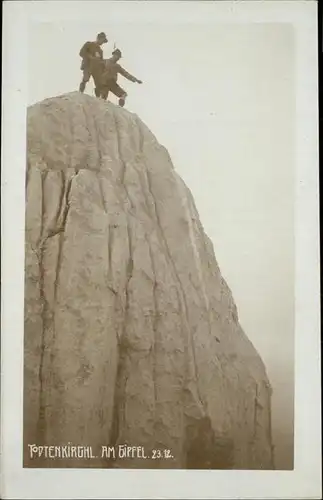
[104, 92]
[122, 100]
[97, 84]
[119, 92]
[86, 78]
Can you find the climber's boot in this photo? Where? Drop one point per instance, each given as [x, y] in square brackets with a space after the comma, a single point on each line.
[122, 100]
[82, 87]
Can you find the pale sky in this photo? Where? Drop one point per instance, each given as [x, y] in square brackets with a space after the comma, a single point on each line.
[221, 99]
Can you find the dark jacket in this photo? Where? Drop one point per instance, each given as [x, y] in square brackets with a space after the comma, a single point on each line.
[90, 49]
[112, 69]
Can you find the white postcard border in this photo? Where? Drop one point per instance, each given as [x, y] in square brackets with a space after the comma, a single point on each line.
[304, 481]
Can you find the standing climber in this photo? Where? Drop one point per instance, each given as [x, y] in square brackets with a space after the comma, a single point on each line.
[109, 77]
[92, 57]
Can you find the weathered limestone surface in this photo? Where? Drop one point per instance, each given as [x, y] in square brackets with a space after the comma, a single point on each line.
[131, 333]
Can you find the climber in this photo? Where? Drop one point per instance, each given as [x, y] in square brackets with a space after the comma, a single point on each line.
[92, 57]
[108, 79]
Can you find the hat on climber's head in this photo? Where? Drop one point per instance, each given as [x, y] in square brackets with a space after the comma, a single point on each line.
[102, 36]
[117, 52]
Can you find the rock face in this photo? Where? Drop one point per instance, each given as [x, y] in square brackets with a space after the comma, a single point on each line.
[131, 333]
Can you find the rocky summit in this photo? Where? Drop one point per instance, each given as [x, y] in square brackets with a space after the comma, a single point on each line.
[132, 336]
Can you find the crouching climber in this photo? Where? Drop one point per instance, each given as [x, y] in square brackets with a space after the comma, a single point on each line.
[109, 77]
[92, 58]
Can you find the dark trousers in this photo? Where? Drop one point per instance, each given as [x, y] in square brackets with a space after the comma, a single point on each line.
[112, 86]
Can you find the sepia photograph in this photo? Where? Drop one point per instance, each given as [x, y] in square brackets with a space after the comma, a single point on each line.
[145, 212]
[159, 238]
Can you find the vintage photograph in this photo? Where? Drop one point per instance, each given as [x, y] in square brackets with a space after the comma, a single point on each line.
[159, 263]
[160, 318]
[159, 246]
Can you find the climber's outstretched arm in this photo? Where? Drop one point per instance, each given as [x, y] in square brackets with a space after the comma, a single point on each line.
[127, 75]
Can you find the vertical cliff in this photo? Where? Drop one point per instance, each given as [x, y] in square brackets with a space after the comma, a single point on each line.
[131, 333]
